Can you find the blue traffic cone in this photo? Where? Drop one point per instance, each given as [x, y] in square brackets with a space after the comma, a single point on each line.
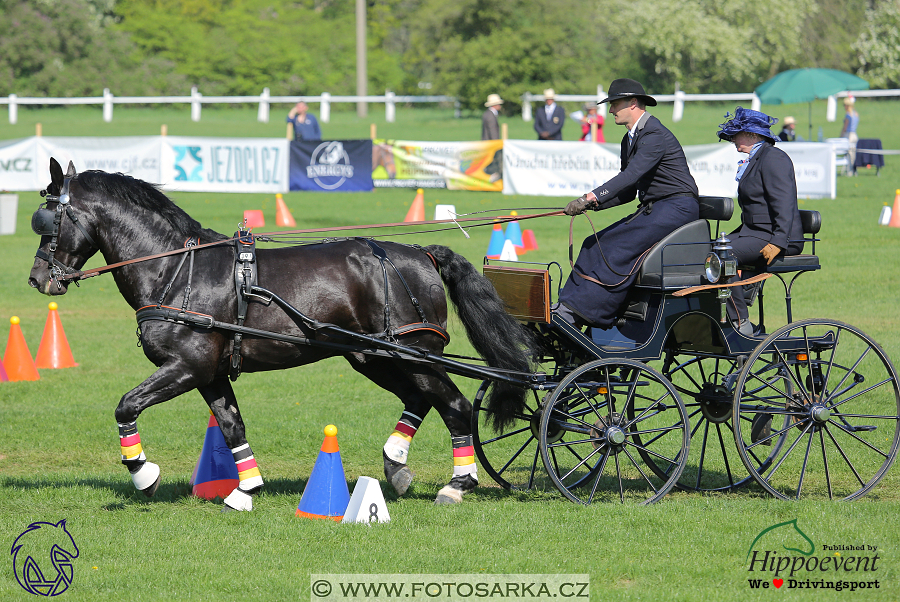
[514, 235]
[326, 494]
[216, 474]
[495, 247]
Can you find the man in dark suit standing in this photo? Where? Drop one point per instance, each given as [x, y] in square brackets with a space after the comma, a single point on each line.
[549, 120]
[490, 126]
[655, 170]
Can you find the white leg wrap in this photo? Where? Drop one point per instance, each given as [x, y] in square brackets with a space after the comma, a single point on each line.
[239, 500]
[145, 476]
[468, 469]
[251, 483]
[450, 492]
[396, 452]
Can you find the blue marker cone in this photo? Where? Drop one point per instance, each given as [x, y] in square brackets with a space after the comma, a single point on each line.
[326, 494]
[216, 474]
[514, 235]
[495, 247]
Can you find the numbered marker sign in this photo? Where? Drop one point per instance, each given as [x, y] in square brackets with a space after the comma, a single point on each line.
[367, 503]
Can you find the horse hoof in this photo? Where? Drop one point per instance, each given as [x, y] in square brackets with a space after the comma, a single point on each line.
[448, 495]
[151, 490]
[398, 475]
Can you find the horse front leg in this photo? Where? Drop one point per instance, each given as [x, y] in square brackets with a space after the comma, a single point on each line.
[396, 449]
[219, 395]
[168, 382]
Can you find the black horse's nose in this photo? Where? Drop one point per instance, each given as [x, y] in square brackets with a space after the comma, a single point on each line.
[32, 283]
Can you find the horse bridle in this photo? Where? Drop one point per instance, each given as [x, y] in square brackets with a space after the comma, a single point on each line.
[47, 222]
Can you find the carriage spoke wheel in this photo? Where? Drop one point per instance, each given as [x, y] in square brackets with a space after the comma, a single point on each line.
[706, 384]
[602, 423]
[834, 396]
[511, 456]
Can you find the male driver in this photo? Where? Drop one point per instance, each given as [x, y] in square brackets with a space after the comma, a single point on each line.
[655, 170]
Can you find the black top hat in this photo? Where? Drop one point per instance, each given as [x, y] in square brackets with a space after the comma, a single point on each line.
[628, 88]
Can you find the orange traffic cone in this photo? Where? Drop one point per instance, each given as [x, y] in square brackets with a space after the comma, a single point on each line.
[326, 494]
[416, 211]
[895, 213]
[54, 351]
[283, 216]
[253, 218]
[17, 361]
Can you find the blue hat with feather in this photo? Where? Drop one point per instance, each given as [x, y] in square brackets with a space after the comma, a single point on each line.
[747, 120]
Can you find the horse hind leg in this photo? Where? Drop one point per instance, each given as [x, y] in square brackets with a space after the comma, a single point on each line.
[219, 396]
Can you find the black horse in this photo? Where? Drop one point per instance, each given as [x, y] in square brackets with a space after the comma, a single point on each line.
[340, 282]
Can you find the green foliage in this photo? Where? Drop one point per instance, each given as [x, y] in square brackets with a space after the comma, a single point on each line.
[62, 48]
[879, 45]
[710, 45]
[472, 48]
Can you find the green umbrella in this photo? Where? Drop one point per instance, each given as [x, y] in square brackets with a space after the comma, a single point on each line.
[806, 85]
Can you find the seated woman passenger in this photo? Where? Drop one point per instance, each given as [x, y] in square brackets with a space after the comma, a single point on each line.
[767, 194]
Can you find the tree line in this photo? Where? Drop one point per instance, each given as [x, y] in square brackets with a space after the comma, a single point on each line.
[466, 48]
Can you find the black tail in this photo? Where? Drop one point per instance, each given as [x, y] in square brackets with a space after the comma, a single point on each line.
[498, 337]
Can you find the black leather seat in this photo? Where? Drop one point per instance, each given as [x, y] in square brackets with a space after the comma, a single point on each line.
[812, 223]
[678, 260]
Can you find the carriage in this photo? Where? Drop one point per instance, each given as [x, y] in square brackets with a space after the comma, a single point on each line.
[673, 396]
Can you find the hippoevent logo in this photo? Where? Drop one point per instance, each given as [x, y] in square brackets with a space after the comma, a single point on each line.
[329, 165]
[42, 558]
[188, 163]
[783, 556]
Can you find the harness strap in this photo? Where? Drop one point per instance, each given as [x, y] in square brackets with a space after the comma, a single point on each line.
[381, 254]
[189, 244]
[245, 277]
[417, 326]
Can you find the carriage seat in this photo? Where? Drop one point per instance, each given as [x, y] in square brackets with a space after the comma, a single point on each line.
[678, 260]
[812, 223]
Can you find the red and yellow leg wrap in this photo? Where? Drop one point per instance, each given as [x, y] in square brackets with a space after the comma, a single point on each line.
[464, 457]
[397, 446]
[248, 472]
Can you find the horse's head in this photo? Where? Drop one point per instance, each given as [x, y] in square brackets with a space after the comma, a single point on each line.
[65, 243]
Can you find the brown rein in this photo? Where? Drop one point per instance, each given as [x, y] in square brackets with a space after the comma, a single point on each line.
[81, 275]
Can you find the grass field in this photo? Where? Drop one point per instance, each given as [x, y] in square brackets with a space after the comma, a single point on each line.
[59, 453]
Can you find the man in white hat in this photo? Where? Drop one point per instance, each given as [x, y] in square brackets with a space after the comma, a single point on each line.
[787, 133]
[549, 120]
[490, 126]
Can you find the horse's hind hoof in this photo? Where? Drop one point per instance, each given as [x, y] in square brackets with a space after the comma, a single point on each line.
[151, 490]
[398, 475]
[448, 495]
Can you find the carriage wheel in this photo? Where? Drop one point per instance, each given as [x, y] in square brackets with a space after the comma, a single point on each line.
[836, 396]
[707, 386]
[510, 457]
[602, 422]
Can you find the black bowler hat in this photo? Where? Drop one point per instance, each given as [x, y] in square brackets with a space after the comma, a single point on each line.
[628, 88]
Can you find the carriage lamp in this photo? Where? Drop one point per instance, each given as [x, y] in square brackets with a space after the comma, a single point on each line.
[721, 262]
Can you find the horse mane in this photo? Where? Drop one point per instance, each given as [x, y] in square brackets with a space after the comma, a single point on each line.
[147, 196]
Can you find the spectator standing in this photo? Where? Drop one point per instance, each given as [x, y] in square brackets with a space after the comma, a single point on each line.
[851, 122]
[306, 127]
[490, 126]
[548, 121]
[787, 133]
[591, 116]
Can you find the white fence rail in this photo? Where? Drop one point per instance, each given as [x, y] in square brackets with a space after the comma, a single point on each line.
[390, 100]
[197, 100]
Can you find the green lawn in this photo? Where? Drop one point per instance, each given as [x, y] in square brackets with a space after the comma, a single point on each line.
[59, 453]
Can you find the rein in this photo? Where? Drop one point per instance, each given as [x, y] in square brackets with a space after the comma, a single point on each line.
[270, 237]
[636, 265]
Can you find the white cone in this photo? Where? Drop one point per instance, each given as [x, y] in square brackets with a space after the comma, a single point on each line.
[885, 218]
[444, 212]
[367, 503]
[509, 252]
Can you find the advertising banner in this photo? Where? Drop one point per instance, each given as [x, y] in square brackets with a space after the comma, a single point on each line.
[19, 169]
[137, 156]
[453, 165]
[224, 164]
[331, 165]
[557, 168]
